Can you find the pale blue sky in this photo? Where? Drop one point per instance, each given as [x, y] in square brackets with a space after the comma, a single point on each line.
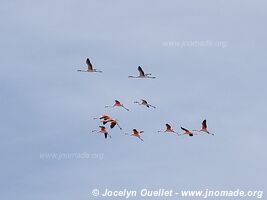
[46, 106]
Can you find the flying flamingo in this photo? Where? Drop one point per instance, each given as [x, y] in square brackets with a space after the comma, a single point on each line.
[169, 130]
[103, 130]
[186, 132]
[103, 117]
[117, 104]
[142, 74]
[113, 123]
[144, 103]
[136, 133]
[204, 128]
[106, 119]
[89, 67]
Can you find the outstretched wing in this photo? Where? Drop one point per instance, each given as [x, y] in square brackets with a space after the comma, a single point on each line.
[141, 72]
[185, 129]
[104, 117]
[144, 101]
[168, 126]
[117, 102]
[106, 135]
[89, 64]
[112, 124]
[204, 124]
[135, 131]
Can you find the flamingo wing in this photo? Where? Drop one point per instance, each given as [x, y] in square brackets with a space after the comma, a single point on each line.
[141, 72]
[117, 102]
[144, 101]
[184, 129]
[89, 64]
[135, 131]
[102, 127]
[204, 124]
[104, 117]
[112, 124]
[168, 126]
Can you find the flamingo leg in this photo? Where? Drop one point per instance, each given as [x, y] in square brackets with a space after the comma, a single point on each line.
[119, 126]
[210, 133]
[203, 132]
[99, 71]
[176, 133]
[150, 77]
[125, 108]
[151, 106]
[141, 139]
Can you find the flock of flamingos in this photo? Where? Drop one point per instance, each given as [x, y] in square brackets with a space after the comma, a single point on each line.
[107, 120]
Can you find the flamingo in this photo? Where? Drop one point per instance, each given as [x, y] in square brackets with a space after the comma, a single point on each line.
[106, 120]
[136, 133]
[142, 74]
[186, 132]
[144, 103]
[113, 123]
[103, 130]
[204, 128]
[117, 104]
[103, 117]
[169, 130]
[89, 67]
